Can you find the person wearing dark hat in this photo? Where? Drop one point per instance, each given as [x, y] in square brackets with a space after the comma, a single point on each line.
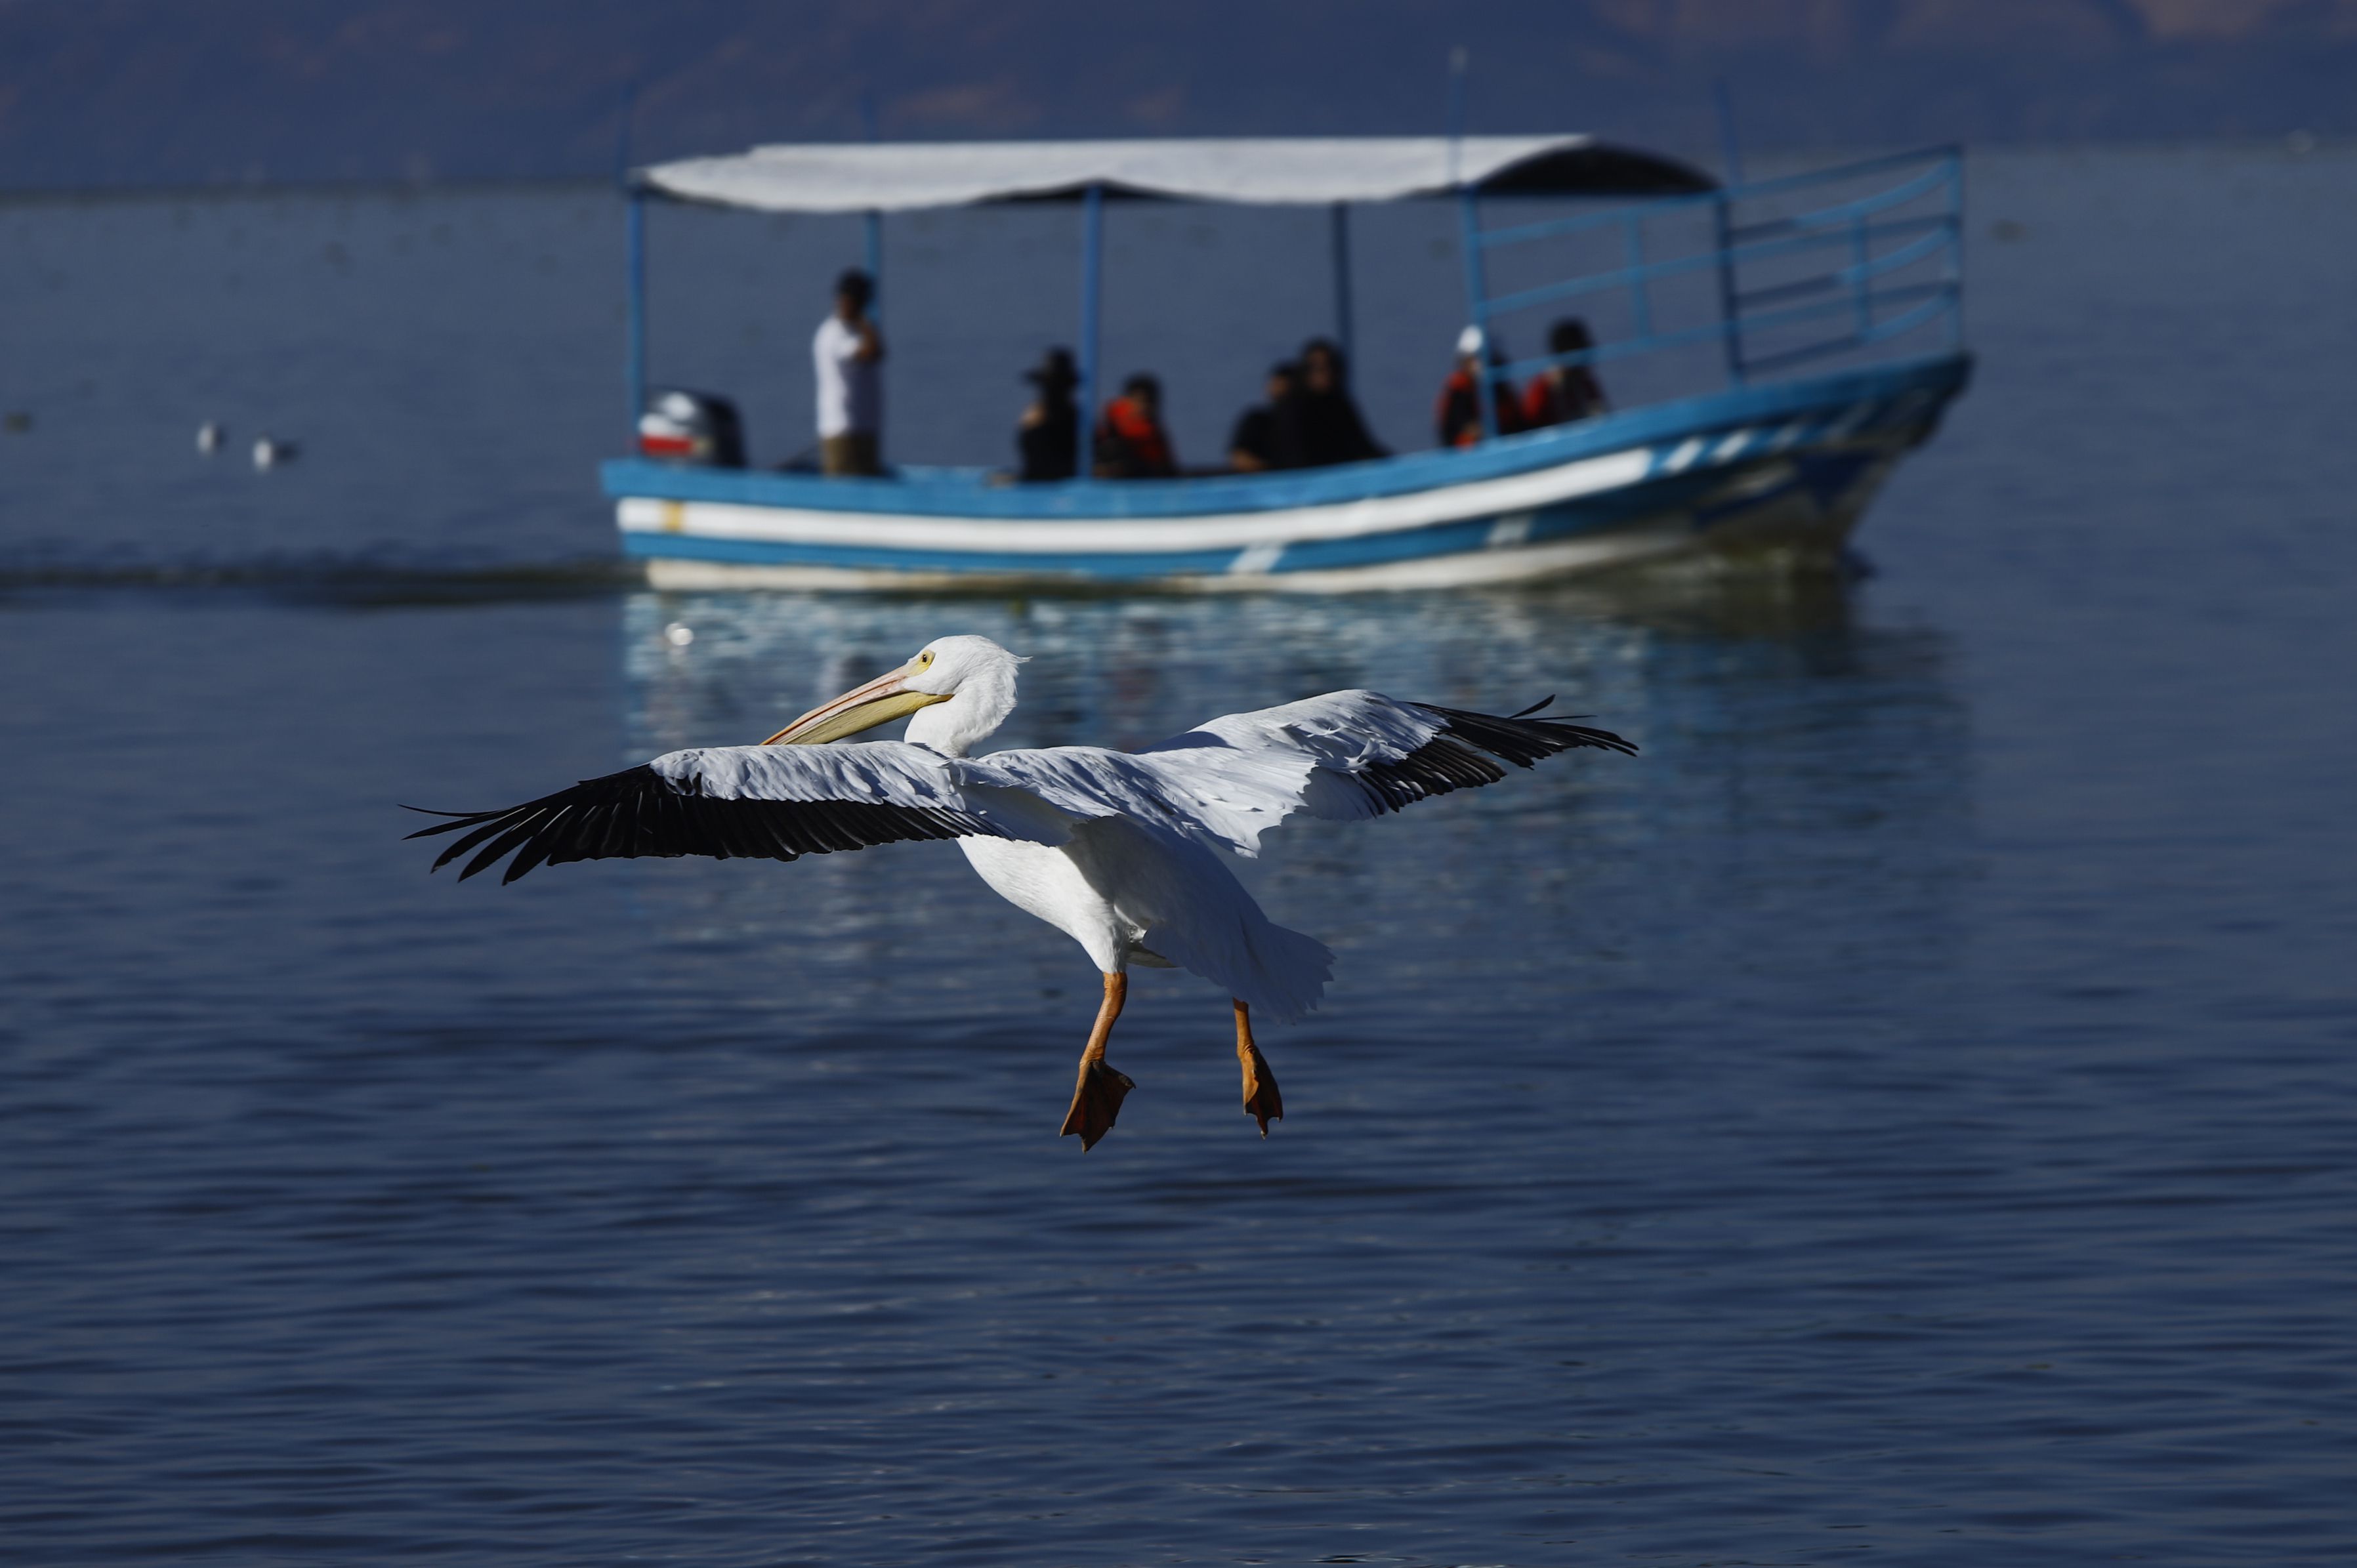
[1048, 439]
[1253, 448]
[1563, 393]
[848, 352]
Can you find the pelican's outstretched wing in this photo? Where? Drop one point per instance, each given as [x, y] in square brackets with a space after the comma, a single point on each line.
[1368, 754]
[1341, 757]
[776, 802]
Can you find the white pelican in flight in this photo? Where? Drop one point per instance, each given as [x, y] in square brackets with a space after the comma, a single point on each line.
[1124, 852]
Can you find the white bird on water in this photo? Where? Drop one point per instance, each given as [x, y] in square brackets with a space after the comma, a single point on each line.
[1124, 852]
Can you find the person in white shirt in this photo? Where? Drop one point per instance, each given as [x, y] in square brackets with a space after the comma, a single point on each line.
[848, 354]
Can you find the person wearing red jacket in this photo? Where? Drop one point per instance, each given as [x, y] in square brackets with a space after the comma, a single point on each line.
[1130, 441]
[1457, 416]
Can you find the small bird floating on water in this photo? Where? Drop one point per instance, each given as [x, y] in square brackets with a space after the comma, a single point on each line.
[210, 435]
[269, 454]
[1124, 852]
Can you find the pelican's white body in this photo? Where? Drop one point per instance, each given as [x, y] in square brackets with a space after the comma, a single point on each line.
[1126, 891]
[1043, 880]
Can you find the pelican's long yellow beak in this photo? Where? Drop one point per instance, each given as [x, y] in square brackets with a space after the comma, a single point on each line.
[880, 701]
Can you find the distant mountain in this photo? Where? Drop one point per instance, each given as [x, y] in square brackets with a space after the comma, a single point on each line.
[108, 93]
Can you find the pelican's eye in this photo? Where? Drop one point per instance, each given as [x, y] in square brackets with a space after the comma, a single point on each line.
[924, 658]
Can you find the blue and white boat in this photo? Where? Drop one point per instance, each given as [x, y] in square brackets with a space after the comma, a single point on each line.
[1831, 321]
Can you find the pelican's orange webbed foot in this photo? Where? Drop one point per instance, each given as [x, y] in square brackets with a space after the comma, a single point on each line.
[1262, 1101]
[1096, 1100]
[1102, 1087]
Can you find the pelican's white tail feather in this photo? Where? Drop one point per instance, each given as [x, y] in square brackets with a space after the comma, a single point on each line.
[1280, 975]
[1183, 903]
[1293, 969]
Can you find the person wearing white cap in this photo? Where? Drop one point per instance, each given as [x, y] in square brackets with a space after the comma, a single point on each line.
[1458, 417]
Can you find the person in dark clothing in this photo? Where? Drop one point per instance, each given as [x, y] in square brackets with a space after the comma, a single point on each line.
[1325, 426]
[1131, 442]
[1458, 416]
[1254, 447]
[1048, 436]
[1561, 394]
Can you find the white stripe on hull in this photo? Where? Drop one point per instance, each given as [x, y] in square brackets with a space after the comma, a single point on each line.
[1139, 535]
[1560, 558]
[1659, 540]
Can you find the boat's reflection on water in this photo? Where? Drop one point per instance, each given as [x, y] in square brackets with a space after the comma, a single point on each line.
[1111, 671]
[1791, 741]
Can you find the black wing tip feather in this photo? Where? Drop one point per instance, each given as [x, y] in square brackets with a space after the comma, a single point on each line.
[1467, 752]
[638, 813]
[1522, 739]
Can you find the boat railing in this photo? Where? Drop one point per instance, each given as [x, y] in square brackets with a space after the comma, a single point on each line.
[1779, 272]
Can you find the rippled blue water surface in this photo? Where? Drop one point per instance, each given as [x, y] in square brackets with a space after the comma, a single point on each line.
[1904, 1112]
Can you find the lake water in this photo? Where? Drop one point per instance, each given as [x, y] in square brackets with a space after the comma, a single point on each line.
[1906, 1113]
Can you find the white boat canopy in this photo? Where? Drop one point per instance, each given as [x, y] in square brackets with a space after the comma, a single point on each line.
[897, 177]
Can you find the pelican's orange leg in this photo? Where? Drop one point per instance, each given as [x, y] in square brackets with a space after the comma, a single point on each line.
[1096, 1098]
[1262, 1101]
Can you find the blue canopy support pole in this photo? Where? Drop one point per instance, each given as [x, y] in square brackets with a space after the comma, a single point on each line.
[1476, 290]
[635, 354]
[1340, 235]
[1730, 312]
[1731, 152]
[1476, 302]
[1861, 253]
[875, 264]
[1952, 261]
[1641, 304]
[1092, 281]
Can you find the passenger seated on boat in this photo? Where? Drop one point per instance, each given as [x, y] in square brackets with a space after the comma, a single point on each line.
[1458, 416]
[1130, 441]
[1048, 438]
[1323, 425]
[1561, 394]
[1253, 448]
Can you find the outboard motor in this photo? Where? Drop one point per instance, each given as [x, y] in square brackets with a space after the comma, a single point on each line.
[691, 427]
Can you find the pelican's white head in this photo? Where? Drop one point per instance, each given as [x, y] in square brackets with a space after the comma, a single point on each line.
[960, 689]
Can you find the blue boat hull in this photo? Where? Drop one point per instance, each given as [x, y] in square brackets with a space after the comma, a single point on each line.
[1787, 465]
